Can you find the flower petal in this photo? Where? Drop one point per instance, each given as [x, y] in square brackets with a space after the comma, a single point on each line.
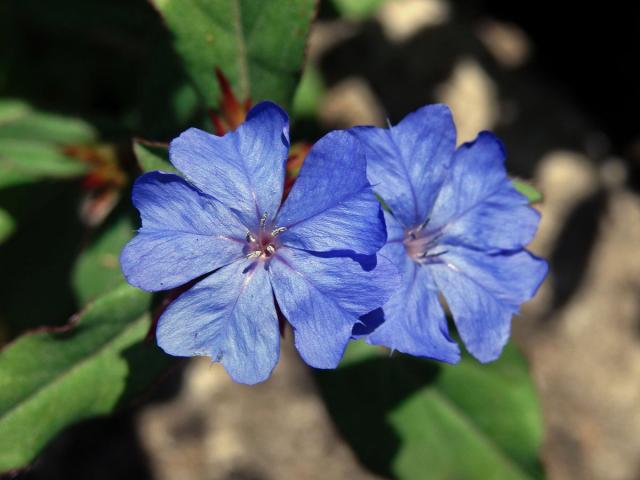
[229, 316]
[484, 291]
[331, 205]
[408, 163]
[244, 169]
[478, 206]
[322, 297]
[415, 322]
[184, 234]
[395, 230]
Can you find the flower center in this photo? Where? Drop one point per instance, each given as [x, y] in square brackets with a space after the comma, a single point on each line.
[263, 244]
[422, 245]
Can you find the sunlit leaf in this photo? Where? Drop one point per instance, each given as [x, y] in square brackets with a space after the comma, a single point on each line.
[528, 191]
[50, 379]
[413, 419]
[357, 9]
[309, 93]
[26, 161]
[152, 156]
[31, 144]
[258, 45]
[19, 121]
[97, 269]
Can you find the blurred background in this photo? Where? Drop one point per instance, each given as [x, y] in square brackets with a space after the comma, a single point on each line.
[555, 80]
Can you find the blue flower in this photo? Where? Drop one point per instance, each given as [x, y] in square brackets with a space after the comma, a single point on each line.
[456, 226]
[311, 255]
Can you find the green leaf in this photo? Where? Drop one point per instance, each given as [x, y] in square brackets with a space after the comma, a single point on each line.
[7, 225]
[309, 93]
[28, 161]
[49, 380]
[357, 9]
[97, 269]
[527, 190]
[31, 144]
[152, 156]
[414, 419]
[30, 152]
[19, 121]
[258, 45]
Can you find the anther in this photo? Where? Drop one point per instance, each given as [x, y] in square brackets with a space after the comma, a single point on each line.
[254, 254]
[277, 231]
[270, 249]
[250, 238]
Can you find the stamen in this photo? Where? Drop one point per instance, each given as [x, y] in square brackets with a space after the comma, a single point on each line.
[423, 224]
[261, 244]
[423, 246]
[434, 240]
[263, 220]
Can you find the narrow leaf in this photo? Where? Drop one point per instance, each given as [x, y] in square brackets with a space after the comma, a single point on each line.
[19, 121]
[27, 161]
[528, 190]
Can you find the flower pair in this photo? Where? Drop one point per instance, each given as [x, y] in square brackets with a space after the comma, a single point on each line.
[328, 258]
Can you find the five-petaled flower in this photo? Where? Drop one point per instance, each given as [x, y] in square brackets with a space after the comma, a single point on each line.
[314, 255]
[457, 226]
